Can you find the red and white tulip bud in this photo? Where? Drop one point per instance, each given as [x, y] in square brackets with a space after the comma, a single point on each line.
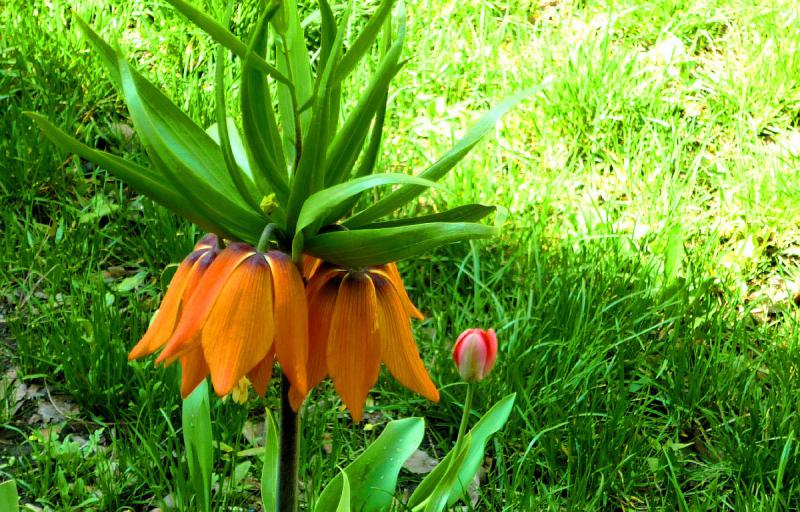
[475, 353]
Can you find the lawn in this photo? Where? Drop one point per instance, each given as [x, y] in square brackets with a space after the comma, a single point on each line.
[644, 287]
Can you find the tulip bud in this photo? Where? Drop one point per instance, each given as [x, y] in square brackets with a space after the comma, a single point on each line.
[475, 353]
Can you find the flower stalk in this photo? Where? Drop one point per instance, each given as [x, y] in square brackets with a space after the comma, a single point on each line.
[289, 450]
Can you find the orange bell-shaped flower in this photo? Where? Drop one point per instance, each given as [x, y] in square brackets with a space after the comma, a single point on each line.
[358, 318]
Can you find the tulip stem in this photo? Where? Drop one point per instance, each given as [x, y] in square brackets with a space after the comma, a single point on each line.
[462, 429]
[289, 450]
[266, 235]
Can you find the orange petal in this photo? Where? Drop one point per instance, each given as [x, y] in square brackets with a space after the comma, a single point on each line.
[353, 351]
[291, 319]
[310, 266]
[390, 270]
[296, 399]
[202, 300]
[207, 242]
[398, 350]
[166, 318]
[262, 373]
[239, 330]
[193, 370]
[321, 302]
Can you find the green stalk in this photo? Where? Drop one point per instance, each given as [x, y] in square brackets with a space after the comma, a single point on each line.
[462, 429]
[289, 451]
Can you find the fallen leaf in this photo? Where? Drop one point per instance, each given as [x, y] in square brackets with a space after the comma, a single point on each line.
[420, 462]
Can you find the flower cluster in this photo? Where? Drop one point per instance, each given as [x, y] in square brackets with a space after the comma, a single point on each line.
[231, 313]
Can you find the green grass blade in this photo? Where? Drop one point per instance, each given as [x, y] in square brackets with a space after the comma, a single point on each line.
[364, 247]
[443, 164]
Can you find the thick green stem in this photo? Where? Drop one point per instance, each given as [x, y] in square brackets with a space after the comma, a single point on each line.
[289, 451]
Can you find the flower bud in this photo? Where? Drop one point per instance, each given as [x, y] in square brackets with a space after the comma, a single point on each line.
[475, 353]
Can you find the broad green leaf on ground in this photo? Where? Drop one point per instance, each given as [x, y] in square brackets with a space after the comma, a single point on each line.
[196, 418]
[9, 501]
[373, 475]
[269, 472]
[490, 423]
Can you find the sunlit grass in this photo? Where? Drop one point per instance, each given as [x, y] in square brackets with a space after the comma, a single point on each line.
[642, 289]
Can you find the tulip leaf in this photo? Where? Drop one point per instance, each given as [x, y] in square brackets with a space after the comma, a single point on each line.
[270, 471]
[344, 499]
[143, 180]
[442, 165]
[490, 423]
[364, 40]
[465, 213]
[9, 500]
[437, 500]
[258, 117]
[349, 141]
[317, 207]
[237, 146]
[363, 247]
[196, 421]
[373, 475]
[224, 37]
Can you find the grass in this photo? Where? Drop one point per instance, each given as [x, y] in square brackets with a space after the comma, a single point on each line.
[643, 286]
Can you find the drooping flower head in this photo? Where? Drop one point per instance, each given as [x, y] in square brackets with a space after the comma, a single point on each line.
[358, 318]
[246, 309]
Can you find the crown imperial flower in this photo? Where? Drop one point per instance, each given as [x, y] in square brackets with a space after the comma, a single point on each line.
[475, 353]
[358, 318]
[229, 314]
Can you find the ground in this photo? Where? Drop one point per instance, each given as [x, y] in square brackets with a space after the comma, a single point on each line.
[644, 287]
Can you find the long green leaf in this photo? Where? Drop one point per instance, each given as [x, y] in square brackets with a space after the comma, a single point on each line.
[224, 141]
[349, 141]
[437, 501]
[224, 37]
[294, 62]
[465, 213]
[319, 205]
[144, 180]
[189, 159]
[196, 419]
[364, 40]
[309, 177]
[490, 423]
[270, 471]
[443, 164]
[373, 475]
[258, 117]
[363, 247]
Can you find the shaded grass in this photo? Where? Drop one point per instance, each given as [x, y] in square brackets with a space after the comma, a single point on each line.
[641, 384]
